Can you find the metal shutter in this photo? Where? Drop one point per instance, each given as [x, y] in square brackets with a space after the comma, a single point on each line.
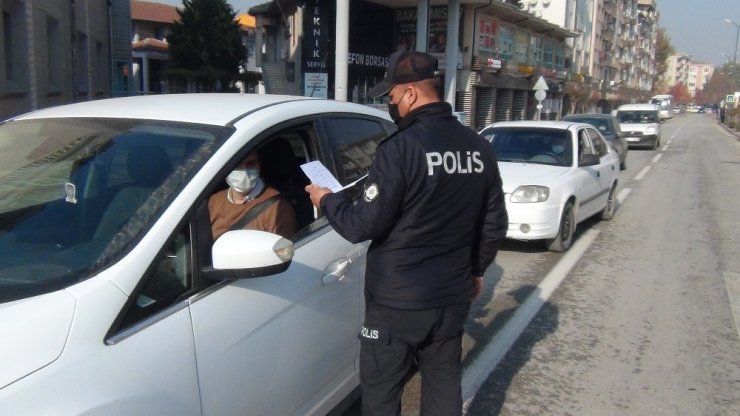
[485, 98]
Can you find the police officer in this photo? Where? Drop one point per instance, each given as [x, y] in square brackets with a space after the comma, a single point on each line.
[434, 209]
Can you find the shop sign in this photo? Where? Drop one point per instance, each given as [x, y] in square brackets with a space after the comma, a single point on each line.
[525, 69]
[315, 84]
[316, 39]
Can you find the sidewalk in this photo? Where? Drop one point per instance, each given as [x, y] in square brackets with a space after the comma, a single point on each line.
[729, 130]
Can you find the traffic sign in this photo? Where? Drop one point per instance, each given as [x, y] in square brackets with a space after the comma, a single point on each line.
[730, 99]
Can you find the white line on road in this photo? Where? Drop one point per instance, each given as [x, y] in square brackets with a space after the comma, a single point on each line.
[476, 373]
[670, 141]
[657, 157]
[642, 173]
[665, 147]
[622, 195]
[732, 283]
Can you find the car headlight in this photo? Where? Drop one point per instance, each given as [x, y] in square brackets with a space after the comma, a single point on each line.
[651, 130]
[530, 193]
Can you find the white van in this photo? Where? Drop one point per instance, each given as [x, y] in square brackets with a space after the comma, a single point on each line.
[641, 124]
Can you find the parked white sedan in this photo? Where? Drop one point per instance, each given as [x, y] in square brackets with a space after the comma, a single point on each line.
[555, 175]
[114, 298]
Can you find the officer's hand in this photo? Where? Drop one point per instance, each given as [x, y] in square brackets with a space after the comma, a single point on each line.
[478, 286]
[316, 193]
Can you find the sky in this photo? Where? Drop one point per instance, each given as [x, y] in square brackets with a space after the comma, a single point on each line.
[698, 28]
[694, 27]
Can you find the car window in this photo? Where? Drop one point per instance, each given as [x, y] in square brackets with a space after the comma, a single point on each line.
[167, 281]
[77, 194]
[353, 142]
[584, 144]
[599, 146]
[637, 116]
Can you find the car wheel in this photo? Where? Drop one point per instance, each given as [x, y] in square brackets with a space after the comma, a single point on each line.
[564, 239]
[611, 204]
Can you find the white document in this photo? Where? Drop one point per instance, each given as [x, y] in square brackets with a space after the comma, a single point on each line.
[320, 176]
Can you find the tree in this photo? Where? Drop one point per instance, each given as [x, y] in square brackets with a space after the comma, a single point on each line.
[663, 49]
[681, 93]
[205, 44]
[719, 85]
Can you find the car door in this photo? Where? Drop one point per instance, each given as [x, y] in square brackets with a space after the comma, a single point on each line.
[284, 344]
[588, 177]
[607, 168]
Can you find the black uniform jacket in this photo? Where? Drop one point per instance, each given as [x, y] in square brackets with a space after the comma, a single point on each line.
[434, 209]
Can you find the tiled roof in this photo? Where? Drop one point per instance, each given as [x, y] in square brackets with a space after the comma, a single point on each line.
[246, 20]
[153, 12]
[149, 44]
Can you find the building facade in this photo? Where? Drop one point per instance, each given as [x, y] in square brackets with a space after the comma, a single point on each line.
[57, 52]
[695, 76]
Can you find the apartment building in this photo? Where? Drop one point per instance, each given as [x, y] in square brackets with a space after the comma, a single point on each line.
[57, 52]
[695, 76]
[613, 53]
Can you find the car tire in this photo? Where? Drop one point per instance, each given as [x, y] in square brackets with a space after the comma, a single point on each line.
[564, 239]
[611, 205]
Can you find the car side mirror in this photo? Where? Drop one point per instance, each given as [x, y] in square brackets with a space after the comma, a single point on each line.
[244, 254]
[588, 160]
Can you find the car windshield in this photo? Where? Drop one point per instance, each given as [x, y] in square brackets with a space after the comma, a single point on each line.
[76, 193]
[637, 117]
[531, 145]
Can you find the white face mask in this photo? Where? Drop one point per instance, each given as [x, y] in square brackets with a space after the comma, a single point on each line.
[243, 180]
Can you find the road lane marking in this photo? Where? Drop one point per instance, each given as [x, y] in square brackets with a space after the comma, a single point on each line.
[622, 195]
[670, 141]
[664, 148]
[476, 373]
[657, 157]
[642, 173]
[732, 283]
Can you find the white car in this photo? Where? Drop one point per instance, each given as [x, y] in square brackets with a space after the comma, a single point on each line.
[555, 175]
[640, 124]
[114, 299]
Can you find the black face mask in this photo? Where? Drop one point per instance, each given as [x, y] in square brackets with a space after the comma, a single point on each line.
[393, 112]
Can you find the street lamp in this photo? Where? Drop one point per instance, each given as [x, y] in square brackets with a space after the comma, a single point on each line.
[737, 35]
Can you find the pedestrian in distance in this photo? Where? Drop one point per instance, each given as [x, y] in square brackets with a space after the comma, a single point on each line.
[434, 209]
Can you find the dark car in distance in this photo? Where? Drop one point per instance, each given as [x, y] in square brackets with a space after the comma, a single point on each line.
[608, 126]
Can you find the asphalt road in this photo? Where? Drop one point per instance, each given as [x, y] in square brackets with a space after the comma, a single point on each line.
[640, 317]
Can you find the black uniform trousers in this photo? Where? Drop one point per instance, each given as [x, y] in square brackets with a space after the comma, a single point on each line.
[394, 340]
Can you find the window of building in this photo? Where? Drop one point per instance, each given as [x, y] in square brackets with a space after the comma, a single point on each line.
[82, 84]
[548, 55]
[535, 51]
[53, 54]
[506, 42]
[8, 46]
[486, 35]
[521, 46]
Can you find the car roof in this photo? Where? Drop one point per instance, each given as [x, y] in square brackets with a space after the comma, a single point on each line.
[587, 115]
[643, 107]
[546, 124]
[206, 108]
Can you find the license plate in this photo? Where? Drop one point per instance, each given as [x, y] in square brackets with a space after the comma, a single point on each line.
[633, 139]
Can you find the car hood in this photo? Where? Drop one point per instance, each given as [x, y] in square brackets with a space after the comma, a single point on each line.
[628, 127]
[516, 174]
[33, 333]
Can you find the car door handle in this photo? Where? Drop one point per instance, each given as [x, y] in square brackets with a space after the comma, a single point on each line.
[335, 271]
